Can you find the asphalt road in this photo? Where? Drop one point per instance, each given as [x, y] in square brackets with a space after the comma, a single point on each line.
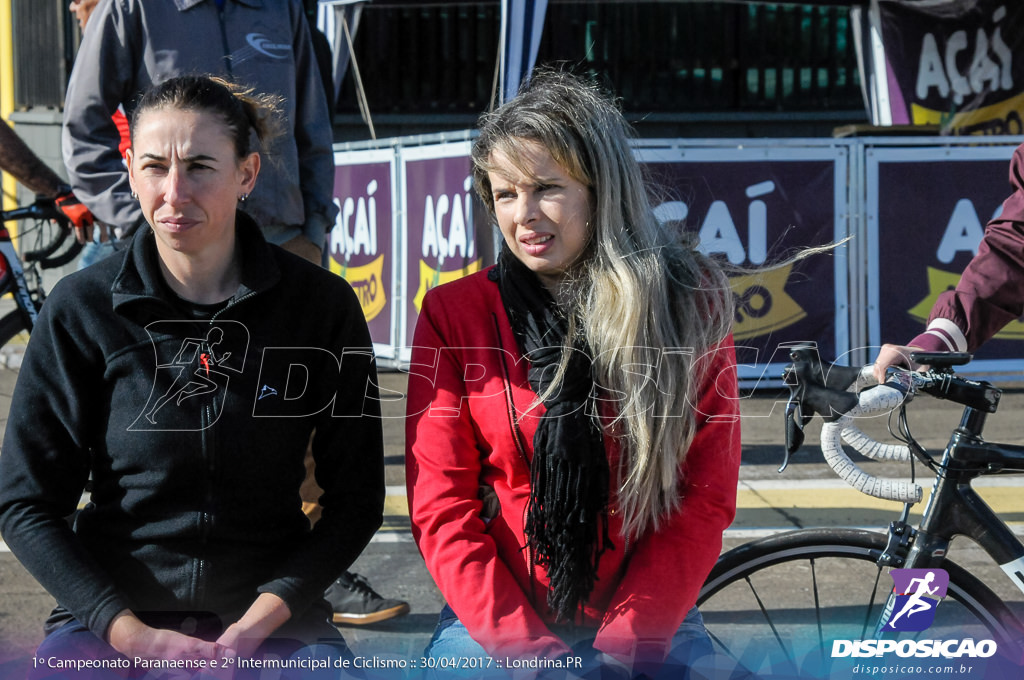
[807, 494]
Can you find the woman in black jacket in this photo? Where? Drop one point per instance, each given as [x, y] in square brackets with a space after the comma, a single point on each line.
[185, 377]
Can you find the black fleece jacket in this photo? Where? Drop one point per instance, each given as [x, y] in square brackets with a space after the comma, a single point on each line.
[194, 434]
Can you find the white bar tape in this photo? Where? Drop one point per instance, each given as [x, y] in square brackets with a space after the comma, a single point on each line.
[872, 401]
[872, 448]
[865, 379]
[879, 399]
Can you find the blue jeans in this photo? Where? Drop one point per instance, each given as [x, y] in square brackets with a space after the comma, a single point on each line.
[95, 250]
[72, 641]
[691, 654]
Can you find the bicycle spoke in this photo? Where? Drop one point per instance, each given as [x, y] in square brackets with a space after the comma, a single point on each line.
[767, 617]
[817, 601]
[721, 643]
[871, 603]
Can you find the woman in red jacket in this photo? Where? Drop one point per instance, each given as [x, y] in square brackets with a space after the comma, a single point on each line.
[573, 433]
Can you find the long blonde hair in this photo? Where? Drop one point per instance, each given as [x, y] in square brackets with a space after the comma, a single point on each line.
[641, 288]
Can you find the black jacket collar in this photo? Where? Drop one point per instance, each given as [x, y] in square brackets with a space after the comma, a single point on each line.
[139, 279]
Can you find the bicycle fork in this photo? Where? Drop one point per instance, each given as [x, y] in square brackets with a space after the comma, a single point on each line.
[924, 548]
[19, 289]
[896, 555]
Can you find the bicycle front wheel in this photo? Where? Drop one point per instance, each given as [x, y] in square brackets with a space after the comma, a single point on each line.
[778, 605]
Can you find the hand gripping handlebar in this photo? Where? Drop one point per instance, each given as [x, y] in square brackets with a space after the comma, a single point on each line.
[839, 394]
[48, 256]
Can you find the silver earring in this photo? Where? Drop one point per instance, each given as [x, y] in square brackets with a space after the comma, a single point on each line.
[135, 196]
[241, 199]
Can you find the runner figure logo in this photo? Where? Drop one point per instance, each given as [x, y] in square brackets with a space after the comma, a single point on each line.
[918, 592]
[194, 365]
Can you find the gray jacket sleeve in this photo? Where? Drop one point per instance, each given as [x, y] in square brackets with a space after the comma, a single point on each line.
[103, 77]
[314, 139]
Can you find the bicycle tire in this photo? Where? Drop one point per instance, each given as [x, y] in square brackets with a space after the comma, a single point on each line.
[12, 324]
[776, 605]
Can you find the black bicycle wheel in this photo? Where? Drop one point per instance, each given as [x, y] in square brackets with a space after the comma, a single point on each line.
[778, 605]
[11, 324]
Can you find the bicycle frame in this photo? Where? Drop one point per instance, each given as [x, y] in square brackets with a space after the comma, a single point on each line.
[49, 256]
[18, 286]
[955, 508]
[775, 603]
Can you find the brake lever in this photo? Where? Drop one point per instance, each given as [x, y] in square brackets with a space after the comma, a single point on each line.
[794, 428]
[795, 419]
[809, 392]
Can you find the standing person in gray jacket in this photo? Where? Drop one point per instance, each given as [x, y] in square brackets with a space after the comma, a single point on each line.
[131, 44]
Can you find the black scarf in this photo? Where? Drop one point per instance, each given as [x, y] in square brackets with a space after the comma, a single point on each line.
[566, 520]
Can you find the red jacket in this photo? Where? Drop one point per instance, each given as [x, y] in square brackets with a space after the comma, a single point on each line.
[990, 293]
[466, 380]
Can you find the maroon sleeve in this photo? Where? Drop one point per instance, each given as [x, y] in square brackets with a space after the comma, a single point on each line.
[990, 293]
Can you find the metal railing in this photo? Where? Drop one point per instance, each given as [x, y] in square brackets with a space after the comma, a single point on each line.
[45, 40]
[659, 57]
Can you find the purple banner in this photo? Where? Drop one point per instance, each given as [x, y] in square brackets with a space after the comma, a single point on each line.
[931, 217]
[754, 213]
[360, 244]
[953, 65]
[447, 233]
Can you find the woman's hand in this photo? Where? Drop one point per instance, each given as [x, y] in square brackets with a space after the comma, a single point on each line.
[259, 622]
[893, 355]
[133, 638]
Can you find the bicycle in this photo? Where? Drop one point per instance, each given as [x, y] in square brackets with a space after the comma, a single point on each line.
[48, 231]
[752, 599]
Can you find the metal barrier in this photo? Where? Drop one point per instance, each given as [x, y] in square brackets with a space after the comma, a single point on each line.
[906, 214]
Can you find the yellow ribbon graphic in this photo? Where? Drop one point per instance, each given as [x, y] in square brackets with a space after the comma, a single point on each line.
[940, 281]
[431, 278]
[1001, 118]
[368, 282]
[762, 304]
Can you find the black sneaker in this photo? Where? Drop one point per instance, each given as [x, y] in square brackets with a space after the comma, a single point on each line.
[355, 603]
